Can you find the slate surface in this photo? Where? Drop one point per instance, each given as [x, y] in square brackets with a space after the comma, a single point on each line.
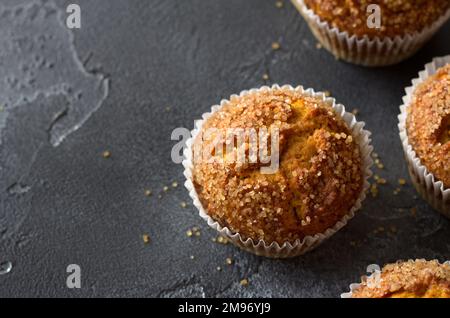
[133, 72]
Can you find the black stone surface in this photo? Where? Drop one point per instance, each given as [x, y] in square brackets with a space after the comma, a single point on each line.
[135, 71]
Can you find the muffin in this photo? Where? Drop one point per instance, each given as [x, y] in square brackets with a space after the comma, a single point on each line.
[411, 279]
[428, 124]
[323, 164]
[425, 132]
[342, 26]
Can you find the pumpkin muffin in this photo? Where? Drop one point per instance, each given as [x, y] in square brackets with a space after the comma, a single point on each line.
[348, 29]
[318, 181]
[398, 17]
[411, 279]
[428, 124]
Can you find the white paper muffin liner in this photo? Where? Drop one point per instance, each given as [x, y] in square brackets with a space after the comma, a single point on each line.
[298, 247]
[355, 286]
[424, 181]
[363, 50]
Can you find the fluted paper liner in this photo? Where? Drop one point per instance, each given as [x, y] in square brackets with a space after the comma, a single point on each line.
[364, 50]
[298, 247]
[424, 181]
[355, 286]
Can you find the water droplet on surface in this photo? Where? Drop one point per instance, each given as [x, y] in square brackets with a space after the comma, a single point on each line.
[5, 268]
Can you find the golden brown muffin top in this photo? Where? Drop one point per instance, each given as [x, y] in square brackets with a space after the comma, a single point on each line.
[411, 279]
[428, 124]
[317, 183]
[398, 17]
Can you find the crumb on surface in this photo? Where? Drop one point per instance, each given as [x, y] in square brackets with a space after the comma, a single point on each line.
[194, 231]
[380, 180]
[221, 240]
[378, 163]
[146, 238]
[374, 190]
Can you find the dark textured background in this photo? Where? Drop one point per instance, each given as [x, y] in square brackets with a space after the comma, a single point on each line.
[126, 79]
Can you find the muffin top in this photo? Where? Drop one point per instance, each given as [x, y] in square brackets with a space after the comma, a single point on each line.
[411, 279]
[319, 176]
[428, 124]
[398, 17]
